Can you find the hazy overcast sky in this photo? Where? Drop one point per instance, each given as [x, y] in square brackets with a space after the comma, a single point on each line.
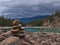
[8, 4]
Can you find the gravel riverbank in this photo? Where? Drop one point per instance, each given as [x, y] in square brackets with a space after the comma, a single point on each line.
[31, 38]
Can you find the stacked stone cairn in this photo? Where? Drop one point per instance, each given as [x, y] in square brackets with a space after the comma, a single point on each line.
[18, 30]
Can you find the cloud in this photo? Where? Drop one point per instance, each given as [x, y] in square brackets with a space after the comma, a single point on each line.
[28, 7]
[27, 2]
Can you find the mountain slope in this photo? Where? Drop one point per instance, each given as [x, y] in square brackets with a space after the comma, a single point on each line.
[52, 21]
[28, 20]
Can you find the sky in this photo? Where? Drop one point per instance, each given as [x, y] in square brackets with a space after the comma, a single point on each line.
[28, 8]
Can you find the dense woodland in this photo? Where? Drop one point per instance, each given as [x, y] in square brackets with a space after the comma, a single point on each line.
[7, 22]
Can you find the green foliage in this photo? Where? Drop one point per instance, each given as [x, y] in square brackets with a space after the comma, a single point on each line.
[57, 13]
[50, 18]
[5, 22]
[36, 23]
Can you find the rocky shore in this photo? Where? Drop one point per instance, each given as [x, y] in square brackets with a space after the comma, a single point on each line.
[31, 38]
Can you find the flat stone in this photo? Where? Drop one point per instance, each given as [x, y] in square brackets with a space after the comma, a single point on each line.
[1, 38]
[10, 41]
[1, 32]
[7, 34]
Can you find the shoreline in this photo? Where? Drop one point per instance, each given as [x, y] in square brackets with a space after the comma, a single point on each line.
[31, 38]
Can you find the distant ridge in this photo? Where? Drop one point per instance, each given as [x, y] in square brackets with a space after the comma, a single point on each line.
[30, 19]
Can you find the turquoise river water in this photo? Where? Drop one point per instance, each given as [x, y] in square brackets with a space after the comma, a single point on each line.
[36, 29]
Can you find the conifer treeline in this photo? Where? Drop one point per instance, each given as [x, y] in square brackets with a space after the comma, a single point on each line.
[5, 22]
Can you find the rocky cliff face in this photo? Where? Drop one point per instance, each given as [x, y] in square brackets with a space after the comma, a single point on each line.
[54, 23]
[31, 38]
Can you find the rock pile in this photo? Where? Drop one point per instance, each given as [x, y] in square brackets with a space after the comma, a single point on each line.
[31, 38]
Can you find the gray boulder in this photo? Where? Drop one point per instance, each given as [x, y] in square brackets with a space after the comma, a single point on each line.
[1, 38]
[7, 34]
[10, 41]
[1, 32]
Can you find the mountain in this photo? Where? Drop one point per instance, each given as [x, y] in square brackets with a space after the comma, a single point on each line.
[30, 19]
[51, 21]
[26, 13]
